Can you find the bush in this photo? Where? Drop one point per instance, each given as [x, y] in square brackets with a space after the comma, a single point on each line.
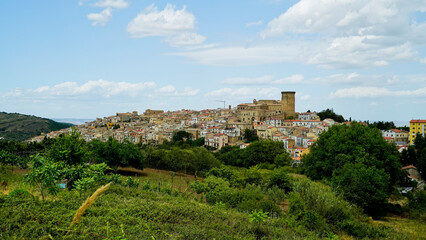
[20, 193]
[417, 200]
[130, 182]
[281, 179]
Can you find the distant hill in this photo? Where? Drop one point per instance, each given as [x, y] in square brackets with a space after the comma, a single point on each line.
[20, 127]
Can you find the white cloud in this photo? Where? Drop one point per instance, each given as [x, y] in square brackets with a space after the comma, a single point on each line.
[178, 25]
[112, 4]
[374, 92]
[251, 55]
[100, 18]
[293, 79]
[303, 97]
[423, 60]
[170, 90]
[338, 79]
[99, 88]
[258, 23]
[185, 39]
[151, 22]
[345, 18]
[332, 34]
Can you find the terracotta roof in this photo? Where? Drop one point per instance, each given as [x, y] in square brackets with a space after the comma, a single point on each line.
[408, 167]
[418, 121]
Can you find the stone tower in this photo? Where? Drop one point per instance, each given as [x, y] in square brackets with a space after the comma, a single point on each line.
[288, 104]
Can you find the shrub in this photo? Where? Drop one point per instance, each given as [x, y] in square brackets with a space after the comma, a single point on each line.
[130, 182]
[281, 179]
[20, 193]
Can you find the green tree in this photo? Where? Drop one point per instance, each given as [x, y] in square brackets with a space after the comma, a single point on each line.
[353, 143]
[409, 156]
[116, 154]
[250, 136]
[180, 159]
[70, 149]
[382, 125]
[232, 156]
[283, 159]
[181, 136]
[329, 113]
[204, 160]
[262, 151]
[281, 179]
[364, 186]
[44, 173]
[416, 155]
[343, 148]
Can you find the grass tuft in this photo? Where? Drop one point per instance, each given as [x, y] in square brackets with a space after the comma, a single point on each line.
[89, 201]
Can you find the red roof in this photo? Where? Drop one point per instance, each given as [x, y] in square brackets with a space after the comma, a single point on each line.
[418, 121]
[408, 167]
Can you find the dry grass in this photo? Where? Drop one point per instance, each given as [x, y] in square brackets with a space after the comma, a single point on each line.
[409, 228]
[155, 176]
[89, 201]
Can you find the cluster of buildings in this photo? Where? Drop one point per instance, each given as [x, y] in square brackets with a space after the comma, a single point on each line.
[270, 119]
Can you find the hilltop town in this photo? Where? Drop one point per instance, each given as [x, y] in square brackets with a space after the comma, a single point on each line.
[269, 119]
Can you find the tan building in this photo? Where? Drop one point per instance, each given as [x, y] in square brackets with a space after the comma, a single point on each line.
[261, 109]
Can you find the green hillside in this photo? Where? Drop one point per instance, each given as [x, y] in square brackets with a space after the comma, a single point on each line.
[20, 127]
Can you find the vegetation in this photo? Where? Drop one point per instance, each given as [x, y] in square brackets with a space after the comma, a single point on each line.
[242, 193]
[19, 127]
[116, 154]
[250, 136]
[329, 113]
[382, 125]
[416, 155]
[356, 159]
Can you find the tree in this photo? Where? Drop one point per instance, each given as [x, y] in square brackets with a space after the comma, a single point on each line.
[416, 155]
[116, 154]
[181, 136]
[70, 149]
[281, 179]
[283, 159]
[45, 173]
[204, 160]
[180, 159]
[353, 143]
[364, 186]
[409, 156]
[344, 148]
[250, 136]
[329, 113]
[262, 151]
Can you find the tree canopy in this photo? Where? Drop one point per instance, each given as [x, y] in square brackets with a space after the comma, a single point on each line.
[356, 159]
[329, 113]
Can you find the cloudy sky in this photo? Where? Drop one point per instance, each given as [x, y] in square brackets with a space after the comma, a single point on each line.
[92, 58]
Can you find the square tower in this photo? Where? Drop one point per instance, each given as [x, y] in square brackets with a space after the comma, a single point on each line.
[288, 103]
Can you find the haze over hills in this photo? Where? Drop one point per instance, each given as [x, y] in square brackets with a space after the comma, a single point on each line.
[75, 121]
[20, 127]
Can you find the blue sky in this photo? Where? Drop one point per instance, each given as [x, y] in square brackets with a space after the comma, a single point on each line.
[92, 58]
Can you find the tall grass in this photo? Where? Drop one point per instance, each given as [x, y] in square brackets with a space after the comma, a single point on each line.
[89, 201]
